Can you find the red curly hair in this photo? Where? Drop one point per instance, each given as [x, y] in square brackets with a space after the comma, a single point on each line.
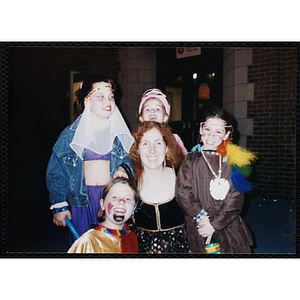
[174, 155]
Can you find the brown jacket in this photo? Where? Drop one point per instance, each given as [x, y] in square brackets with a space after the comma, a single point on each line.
[192, 194]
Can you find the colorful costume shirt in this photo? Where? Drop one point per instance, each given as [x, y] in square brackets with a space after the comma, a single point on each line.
[105, 240]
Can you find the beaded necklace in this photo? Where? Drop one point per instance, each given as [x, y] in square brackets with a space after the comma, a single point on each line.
[218, 186]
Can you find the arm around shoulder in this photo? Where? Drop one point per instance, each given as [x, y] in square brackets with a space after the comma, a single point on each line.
[180, 144]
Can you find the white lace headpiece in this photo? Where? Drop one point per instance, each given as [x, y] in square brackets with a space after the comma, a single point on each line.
[100, 139]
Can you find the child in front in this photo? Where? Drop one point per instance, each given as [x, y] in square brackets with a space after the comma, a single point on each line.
[112, 235]
[210, 187]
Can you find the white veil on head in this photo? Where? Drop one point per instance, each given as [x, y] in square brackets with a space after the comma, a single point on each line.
[100, 140]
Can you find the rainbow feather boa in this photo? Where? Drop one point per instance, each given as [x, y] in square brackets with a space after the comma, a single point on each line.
[240, 160]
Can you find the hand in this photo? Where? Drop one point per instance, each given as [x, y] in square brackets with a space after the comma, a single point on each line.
[120, 173]
[59, 218]
[205, 229]
[208, 239]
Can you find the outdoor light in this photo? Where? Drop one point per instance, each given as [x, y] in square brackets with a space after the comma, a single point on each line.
[195, 76]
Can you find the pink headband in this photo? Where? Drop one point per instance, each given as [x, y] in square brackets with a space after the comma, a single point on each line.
[157, 94]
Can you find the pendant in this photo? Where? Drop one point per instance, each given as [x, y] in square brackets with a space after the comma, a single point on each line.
[219, 188]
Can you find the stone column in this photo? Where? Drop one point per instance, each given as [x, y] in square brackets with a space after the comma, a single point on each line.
[236, 89]
[137, 73]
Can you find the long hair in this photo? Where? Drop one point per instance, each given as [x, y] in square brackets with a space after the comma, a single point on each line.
[174, 155]
[87, 86]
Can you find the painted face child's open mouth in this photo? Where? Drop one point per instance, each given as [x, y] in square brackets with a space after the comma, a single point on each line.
[119, 214]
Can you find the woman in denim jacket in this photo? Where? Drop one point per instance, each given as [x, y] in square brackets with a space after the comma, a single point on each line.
[87, 154]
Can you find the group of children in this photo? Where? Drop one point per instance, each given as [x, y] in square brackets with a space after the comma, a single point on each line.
[90, 167]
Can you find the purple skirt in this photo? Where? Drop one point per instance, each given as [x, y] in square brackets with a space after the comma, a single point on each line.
[83, 217]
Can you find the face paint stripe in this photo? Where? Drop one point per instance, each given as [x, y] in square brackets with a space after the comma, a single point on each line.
[109, 208]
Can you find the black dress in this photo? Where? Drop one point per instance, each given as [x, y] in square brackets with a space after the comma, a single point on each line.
[160, 227]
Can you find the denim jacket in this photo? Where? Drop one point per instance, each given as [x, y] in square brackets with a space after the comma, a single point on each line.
[65, 171]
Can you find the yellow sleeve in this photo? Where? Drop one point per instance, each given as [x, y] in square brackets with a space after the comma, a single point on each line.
[94, 241]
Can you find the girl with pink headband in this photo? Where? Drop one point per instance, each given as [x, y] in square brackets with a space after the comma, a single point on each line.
[154, 106]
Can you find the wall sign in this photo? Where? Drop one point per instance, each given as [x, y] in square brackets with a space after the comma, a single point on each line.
[182, 52]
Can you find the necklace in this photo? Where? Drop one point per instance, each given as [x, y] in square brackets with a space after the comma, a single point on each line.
[218, 186]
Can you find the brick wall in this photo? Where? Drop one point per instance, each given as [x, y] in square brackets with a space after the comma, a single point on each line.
[274, 74]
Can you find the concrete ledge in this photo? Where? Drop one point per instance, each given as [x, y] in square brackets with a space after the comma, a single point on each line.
[244, 92]
[245, 126]
[243, 57]
[241, 75]
[228, 95]
[240, 110]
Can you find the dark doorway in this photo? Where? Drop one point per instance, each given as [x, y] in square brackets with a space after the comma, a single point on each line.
[185, 75]
[70, 76]
[39, 109]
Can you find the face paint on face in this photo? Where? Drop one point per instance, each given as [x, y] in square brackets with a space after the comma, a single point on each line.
[213, 133]
[118, 205]
[109, 208]
[119, 212]
[118, 218]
